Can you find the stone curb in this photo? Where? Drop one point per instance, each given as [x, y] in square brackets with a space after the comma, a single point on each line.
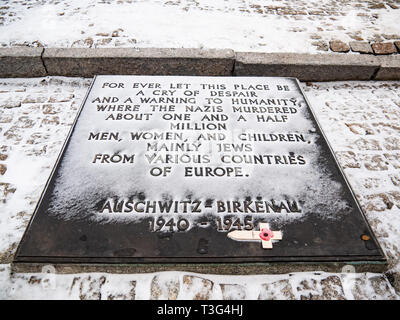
[123, 61]
[83, 62]
[307, 67]
[21, 62]
[389, 69]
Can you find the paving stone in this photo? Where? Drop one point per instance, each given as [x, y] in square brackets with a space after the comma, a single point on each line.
[387, 128]
[197, 288]
[339, 46]
[50, 120]
[392, 143]
[7, 256]
[394, 159]
[348, 159]
[6, 189]
[34, 99]
[101, 287]
[378, 202]
[377, 6]
[164, 289]
[321, 45]
[60, 98]
[393, 6]
[360, 128]
[308, 290]
[384, 48]
[6, 118]
[391, 36]
[367, 144]
[116, 289]
[329, 288]
[233, 292]
[332, 288]
[373, 288]
[14, 134]
[89, 287]
[278, 290]
[355, 36]
[395, 196]
[371, 183]
[360, 46]
[85, 43]
[9, 104]
[374, 162]
[3, 169]
[315, 36]
[395, 179]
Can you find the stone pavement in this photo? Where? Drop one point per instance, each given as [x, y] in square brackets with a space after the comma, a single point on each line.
[361, 122]
[354, 26]
[189, 286]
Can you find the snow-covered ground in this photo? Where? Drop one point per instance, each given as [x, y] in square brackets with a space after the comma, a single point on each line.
[241, 25]
[360, 119]
[189, 286]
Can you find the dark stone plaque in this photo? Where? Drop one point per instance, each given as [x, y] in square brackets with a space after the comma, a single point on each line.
[185, 170]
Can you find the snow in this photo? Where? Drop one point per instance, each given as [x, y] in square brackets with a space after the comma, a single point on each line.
[164, 285]
[239, 25]
[32, 133]
[338, 107]
[31, 145]
[373, 107]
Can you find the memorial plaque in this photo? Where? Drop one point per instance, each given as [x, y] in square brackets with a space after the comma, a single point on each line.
[197, 170]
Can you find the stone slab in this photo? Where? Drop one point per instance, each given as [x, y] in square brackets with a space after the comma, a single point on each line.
[339, 46]
[306, 67]
[360, 46]
[130, 61]
[382, 48]
[159, 171]
[19, 62]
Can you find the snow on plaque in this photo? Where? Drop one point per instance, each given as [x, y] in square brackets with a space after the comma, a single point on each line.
[161, 169]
